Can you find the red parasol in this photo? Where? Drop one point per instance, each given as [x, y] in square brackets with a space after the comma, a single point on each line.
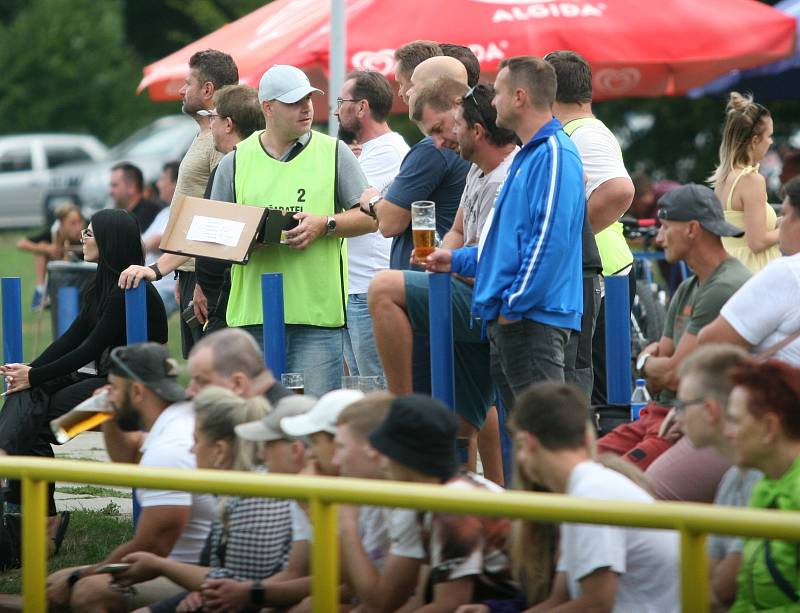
[635, 48]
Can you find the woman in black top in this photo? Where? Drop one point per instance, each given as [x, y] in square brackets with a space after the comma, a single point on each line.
[52, 384]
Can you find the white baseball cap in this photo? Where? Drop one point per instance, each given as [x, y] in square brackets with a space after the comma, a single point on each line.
[322, 416]
[284, 83]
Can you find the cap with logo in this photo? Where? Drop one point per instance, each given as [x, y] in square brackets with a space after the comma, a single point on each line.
[150, 364]
[285, 84]
[322, 416]
[699, 203]
[268, 428]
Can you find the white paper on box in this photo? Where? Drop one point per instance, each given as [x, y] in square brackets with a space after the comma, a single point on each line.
[215, 230]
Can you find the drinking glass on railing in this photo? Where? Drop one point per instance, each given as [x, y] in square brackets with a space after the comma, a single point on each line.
[423, 229]
[90, 413]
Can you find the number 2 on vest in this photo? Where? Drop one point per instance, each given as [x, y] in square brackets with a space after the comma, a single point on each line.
[301, 195]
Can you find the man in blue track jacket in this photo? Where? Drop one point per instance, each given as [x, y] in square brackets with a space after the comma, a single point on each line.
[527, 266]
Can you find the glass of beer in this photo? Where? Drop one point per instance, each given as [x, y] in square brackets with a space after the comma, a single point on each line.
[293, 381]
[90, 413]
[423, 229]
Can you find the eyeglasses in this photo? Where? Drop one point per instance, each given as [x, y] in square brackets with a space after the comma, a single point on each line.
[680, 405]
[86, 233]
[341, 101]
[117, 356]
[212, 114]
[470, 95]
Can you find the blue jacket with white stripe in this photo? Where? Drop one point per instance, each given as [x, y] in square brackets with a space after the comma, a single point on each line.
[528, 264]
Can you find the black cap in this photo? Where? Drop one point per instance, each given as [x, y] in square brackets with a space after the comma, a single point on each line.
[420, 433]
[699, 203]
[149, 363]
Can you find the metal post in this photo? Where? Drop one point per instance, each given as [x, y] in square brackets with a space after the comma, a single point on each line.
[694, 572]
[618, 340]
[440, 325]
[12, 319]
[34, 544]
[274, 331]
[136, 330]
[324, 557]
[336, 61]
[136, 314]
[68, 307]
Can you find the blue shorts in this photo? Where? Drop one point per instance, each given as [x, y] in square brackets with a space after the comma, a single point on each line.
[474, 392]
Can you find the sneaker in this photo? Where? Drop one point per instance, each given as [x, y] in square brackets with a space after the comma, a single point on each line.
[36, 303]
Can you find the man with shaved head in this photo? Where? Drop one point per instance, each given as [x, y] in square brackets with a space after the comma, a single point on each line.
[431, 70]
[427, 173]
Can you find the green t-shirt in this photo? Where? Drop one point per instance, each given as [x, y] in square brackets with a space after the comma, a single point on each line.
[695, 305]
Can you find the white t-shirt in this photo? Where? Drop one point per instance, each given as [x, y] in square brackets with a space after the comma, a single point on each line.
[380, 160]
[157, 227]
[301, 527]
[480, 193]
[600, 154]
[646, 561]
[405, 533]
[374, 531]
[766, 309]
[168, 445]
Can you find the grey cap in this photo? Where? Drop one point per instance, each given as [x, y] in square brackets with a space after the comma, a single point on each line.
[150, 364]
[285, 84]
[699, 203]
[268, 428]
[323, 416]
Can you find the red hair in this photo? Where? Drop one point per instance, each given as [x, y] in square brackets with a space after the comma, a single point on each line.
[773, 387]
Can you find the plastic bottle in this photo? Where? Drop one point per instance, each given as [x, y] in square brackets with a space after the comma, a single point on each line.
[639, 399]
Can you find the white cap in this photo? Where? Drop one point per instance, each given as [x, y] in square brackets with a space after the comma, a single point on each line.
[323, 415]
[285, 84]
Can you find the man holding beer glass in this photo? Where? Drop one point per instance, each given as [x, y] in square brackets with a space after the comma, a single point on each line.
[466, 124]
[528, 280]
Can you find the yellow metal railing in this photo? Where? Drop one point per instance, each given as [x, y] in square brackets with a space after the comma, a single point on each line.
[693, 521]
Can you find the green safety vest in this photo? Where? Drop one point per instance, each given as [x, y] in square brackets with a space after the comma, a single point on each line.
[614, 251]
[314, 279]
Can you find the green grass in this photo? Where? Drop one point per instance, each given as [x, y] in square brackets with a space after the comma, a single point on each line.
[93, 490]
[90, 537]
[15, 263]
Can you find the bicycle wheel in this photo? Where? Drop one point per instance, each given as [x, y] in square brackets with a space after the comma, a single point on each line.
[650, 314]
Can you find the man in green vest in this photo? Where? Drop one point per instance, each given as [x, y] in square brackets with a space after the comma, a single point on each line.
[609, 192]
[291, 167]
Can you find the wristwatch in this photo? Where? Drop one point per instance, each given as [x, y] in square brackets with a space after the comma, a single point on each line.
[257, 593]
[73, 578]
[155, 269]
[641, 362]
[331, 224]
[371, 204]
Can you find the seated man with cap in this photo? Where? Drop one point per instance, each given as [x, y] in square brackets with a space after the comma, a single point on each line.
[145, 394]
[467, 554]
[692, 225]
[318, 426]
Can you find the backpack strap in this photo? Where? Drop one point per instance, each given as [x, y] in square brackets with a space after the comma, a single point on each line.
[777, 577]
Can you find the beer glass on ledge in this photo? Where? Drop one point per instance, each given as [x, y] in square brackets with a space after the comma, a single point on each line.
[293, 381]
[88, 414]
[423, 229]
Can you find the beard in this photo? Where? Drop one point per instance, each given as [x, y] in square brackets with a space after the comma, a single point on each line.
[127, 417]
[345, 135]
[190, 108]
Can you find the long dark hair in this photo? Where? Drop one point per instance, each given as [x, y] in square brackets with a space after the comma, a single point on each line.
[119, 245]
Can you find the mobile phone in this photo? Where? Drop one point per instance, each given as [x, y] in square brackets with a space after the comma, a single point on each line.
[113, 568]
[189, 317]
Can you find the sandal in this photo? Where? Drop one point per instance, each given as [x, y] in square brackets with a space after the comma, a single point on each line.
[58, 539]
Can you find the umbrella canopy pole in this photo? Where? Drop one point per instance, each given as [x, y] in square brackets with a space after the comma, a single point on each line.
[336, 67]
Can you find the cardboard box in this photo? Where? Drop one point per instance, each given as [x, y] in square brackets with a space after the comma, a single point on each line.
[212, 229]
